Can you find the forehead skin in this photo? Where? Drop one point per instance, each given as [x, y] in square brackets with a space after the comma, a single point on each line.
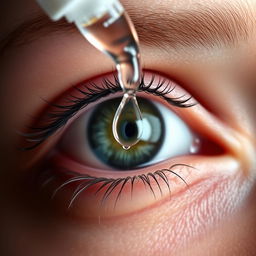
[175, 24]
[236, 236]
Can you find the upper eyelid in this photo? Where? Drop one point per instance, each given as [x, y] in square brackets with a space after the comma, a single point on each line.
[62, 113]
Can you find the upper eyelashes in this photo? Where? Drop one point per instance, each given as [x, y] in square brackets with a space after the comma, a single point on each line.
[61, 114]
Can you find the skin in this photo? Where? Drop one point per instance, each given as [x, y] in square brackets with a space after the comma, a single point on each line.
[217, 215]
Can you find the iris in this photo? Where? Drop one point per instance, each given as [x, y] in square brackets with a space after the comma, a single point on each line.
[109, 151]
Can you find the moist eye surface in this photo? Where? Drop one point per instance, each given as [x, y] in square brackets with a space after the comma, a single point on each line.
[109, 151]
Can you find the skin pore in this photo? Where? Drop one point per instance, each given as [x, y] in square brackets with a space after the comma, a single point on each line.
[206, 47]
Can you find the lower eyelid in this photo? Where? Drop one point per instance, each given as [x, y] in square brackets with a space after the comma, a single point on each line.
[89, 205]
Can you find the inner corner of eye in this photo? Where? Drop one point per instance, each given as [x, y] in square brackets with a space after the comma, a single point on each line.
[89, 140]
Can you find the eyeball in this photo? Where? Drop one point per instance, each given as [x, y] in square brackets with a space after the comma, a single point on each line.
[89, 140]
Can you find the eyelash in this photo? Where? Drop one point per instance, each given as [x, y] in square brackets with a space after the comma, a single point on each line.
[58, 118]
[111, 184]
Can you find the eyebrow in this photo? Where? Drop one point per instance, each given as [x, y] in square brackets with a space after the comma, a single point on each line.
[207, 27]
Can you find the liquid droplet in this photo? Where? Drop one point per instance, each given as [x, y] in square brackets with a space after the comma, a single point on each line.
[127, 123]
[195, 147]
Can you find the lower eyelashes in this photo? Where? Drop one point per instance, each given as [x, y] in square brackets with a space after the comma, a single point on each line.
[89, 172]
[112, 196]
[86, 196]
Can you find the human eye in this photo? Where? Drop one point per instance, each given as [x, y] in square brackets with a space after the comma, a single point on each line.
[91, 141]
[88, 172]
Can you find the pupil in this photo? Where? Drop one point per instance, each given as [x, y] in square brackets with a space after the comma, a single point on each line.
[131, 130]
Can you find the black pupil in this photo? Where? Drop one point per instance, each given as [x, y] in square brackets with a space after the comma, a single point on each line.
[131, 129]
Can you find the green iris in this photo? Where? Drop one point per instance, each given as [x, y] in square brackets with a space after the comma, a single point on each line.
[109, 151]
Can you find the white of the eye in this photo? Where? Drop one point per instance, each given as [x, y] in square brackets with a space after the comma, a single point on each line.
[75, 143]
[178, 138]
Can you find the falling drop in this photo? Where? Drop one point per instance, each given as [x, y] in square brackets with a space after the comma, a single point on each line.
[127, 123]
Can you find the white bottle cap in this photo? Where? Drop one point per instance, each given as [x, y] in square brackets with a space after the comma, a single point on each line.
[79, 11]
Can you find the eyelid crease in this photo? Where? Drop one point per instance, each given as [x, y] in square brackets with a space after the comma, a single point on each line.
[62, 113]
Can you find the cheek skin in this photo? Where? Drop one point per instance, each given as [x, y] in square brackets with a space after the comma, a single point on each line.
[152, 232]
[236, 237]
